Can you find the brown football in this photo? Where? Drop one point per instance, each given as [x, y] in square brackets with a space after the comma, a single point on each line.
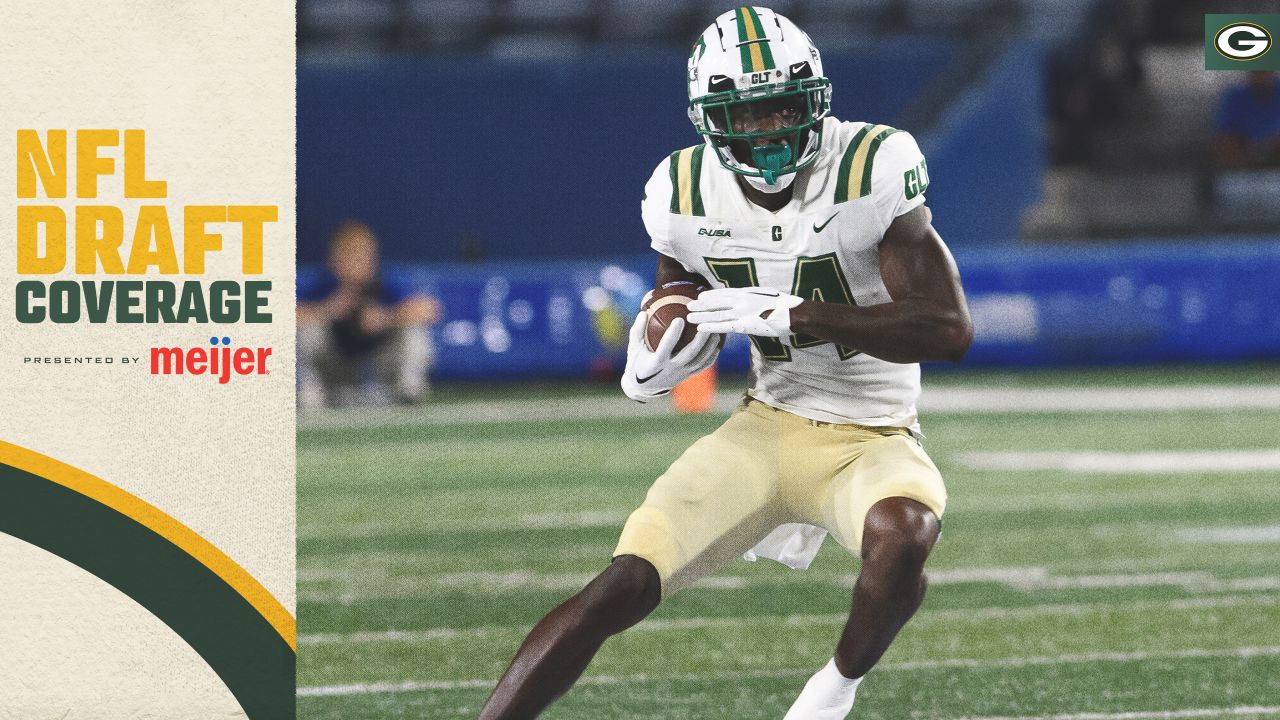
[667, 303]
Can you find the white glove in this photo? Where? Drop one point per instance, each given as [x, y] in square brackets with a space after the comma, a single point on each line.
[739, 310]
[650, 374]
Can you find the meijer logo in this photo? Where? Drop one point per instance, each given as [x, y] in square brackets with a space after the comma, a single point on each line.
[219, 362]
[1241, 42]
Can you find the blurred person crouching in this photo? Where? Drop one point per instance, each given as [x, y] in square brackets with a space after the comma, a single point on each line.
[354, 316]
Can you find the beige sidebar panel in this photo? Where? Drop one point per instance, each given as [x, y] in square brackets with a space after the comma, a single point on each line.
[147, 519]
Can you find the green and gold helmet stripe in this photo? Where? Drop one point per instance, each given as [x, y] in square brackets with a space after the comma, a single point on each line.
[686, 181]
[752, 41]
[855, 167]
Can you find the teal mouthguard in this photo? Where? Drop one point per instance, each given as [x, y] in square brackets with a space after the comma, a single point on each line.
[769, 159]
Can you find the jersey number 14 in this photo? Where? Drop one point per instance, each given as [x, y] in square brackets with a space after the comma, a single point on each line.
[816, 278]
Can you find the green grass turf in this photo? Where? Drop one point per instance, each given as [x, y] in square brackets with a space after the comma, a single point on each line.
[941, 374]
[451, 533]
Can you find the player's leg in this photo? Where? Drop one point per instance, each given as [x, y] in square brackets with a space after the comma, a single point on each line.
[899, 534]
[320, 365]
[894, 537]
[562, 644]
[402, 364]
[714, 503]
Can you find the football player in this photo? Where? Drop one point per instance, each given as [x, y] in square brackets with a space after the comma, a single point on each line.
[815, 240]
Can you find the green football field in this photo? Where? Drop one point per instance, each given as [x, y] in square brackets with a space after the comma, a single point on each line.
[1111, 551]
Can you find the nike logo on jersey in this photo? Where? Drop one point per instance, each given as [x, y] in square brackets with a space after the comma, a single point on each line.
[819, 228]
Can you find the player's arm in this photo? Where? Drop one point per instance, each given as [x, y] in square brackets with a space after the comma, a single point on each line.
[650, 373]
[337, 304]
[670, 270]
[928, 318]
[653, 372]
[417, 310]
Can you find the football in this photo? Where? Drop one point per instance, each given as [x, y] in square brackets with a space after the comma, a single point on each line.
[667, 303]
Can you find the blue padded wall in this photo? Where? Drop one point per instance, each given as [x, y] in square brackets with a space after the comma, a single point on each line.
[535, 160]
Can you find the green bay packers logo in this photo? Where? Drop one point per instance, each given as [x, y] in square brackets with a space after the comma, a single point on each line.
[1242, 41]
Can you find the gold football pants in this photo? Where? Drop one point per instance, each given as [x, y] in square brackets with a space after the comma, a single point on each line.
[764, 467]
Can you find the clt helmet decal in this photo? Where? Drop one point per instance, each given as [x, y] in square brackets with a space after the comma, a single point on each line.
[757, 95]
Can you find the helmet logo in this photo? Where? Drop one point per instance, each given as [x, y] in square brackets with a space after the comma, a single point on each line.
[699, 49]
[695, 56]
[764, 77]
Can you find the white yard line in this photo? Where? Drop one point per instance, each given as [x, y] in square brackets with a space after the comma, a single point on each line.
[965, 663]
[1017, 578]
[394, 688]
[1241, 711]
[1127, 463]
[527, 521]
[940, 400]
[584, 519]
[1100, 399]
[502, 581]
[925, 618]
[1230, 535]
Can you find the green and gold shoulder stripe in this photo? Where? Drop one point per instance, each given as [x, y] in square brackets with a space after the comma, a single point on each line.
[686, 174]
[854, 179]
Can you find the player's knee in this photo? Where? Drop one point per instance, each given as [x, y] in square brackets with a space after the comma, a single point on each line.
[898, 535]
[623, 595]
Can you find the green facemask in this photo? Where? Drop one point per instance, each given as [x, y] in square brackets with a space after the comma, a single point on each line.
[771, 158]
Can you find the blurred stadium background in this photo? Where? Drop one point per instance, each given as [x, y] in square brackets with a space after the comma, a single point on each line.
[1110, 442]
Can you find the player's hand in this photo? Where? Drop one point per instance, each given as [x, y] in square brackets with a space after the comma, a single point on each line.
[375, 319]
[650, 374]
[750, 311]
[343, 302]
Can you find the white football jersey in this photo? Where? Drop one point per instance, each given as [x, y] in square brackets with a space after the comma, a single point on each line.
[824, 245]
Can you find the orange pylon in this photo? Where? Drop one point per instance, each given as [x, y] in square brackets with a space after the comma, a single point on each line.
[696, 394]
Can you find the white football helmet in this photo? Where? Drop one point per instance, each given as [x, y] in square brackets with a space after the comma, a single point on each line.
[758, 96]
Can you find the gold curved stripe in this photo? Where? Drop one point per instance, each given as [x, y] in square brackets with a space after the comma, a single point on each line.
[684, 175]
[161, 523]
[858, 167]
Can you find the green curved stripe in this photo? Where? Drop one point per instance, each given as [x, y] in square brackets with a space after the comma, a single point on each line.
[256, 664]
[871, 159]
[695, 177]
[846, 163]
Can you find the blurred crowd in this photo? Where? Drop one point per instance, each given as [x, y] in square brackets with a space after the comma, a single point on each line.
[1247, 124]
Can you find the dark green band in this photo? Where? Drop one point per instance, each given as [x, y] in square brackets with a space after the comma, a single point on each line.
[249, 655]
